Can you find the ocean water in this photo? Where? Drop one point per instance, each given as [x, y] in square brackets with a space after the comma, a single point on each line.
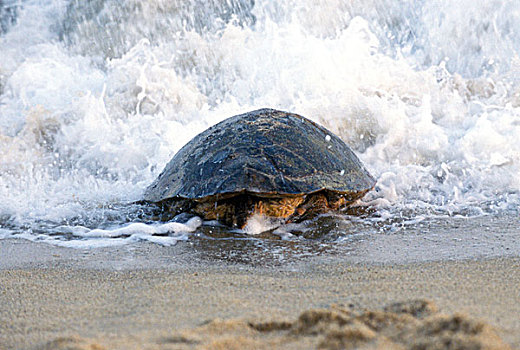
[96, 97]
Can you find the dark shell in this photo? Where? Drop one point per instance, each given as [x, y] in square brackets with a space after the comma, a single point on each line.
[265, 152]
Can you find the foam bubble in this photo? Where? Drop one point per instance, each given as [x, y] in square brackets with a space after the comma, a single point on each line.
[257, 224]
[140, 229]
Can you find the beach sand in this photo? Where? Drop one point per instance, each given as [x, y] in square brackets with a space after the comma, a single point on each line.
[145, 296]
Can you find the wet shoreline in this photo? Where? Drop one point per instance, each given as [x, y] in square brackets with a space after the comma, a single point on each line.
[133, 296]
[330, 241]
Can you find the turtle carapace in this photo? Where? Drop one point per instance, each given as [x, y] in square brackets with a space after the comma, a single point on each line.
[264, 162]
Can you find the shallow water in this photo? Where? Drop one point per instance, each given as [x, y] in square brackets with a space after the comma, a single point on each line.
[431, 240]
[96, 98]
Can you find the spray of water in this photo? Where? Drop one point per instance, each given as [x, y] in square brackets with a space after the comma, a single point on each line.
[95, 97]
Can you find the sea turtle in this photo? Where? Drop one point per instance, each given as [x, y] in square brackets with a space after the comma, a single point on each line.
[266, 162]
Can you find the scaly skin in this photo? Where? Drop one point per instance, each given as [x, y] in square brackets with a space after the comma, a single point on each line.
[235, 211]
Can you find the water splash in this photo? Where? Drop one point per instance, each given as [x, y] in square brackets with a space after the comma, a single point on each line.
[95, 98]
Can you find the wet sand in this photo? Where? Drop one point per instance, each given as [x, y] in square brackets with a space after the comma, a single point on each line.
[144, 296]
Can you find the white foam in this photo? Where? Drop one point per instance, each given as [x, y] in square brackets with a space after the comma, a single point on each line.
[139, 229]
[257, 224]
[4, 233]
[164, 234]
